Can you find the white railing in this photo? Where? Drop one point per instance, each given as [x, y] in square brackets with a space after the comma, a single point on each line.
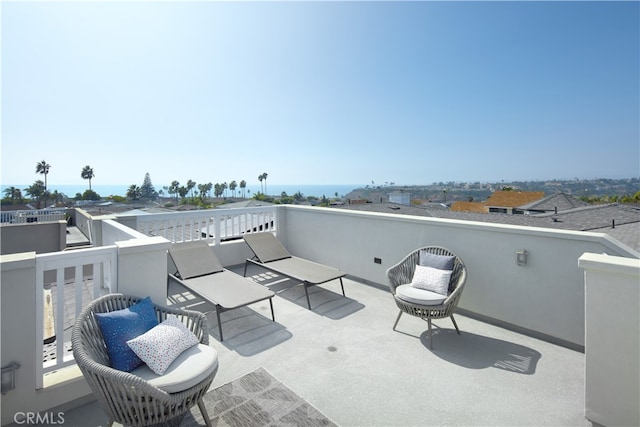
[41, 215]
[215, 225]
[65, 283]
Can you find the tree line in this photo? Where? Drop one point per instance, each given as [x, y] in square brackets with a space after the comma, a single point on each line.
[39, 192]
[200, 193]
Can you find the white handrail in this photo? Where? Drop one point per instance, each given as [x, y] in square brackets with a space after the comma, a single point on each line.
[40, 215]
[211, 224]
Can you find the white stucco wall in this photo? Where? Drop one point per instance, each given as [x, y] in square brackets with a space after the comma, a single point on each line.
[545, 296]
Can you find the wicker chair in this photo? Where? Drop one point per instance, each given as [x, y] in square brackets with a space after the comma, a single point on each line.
[402, 273]
[129, 399]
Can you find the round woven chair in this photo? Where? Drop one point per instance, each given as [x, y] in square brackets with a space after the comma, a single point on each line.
[127, 398]
[402, 274]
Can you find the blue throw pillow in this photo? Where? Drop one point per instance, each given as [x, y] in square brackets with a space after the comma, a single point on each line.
[120, 326]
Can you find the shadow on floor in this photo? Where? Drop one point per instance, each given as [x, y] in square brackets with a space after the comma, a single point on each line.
[480, 352]
[247, 330]
[324, 301]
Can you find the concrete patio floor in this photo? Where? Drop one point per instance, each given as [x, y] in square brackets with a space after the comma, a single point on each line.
[344, 358]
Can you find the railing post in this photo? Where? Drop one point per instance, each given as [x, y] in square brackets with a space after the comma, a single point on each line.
[612, 339]
[142, 268]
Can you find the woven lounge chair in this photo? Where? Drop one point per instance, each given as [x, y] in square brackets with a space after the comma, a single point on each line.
[270, 254]
[426, 305]
[200, 271]
[140, 397]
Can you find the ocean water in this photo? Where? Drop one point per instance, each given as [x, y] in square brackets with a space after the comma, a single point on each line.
[317, 190]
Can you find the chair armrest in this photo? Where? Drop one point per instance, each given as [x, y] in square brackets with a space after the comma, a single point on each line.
[402, 272]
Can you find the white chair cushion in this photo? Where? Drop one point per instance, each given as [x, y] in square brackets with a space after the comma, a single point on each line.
[188, 369]
[419, 296]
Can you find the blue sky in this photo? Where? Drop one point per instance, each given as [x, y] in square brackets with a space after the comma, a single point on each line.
[320, 93]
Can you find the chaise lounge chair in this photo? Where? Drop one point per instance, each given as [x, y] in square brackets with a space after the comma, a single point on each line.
[270, 254]
[200, 271]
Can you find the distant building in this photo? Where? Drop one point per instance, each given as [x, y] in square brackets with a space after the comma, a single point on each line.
[555, 203]
[400, 198]
[508, 202]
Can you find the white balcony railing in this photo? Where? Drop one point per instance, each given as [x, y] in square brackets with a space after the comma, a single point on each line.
[41, 215]
[65, 282]
[214, 225]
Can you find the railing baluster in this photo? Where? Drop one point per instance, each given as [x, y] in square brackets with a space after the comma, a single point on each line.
[78, 285]
[59, 315]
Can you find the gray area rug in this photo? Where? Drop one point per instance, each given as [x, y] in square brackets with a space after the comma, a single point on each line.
[256, 399]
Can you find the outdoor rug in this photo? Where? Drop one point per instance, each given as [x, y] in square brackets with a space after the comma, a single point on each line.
[256, 399]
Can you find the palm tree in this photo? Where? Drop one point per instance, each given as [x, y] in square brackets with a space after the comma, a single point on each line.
[173, 189]
[218, 189]
[13, 193]
[190, 186]
[232, 186]
[260, 178]
[37, 192]
[87, 173]
[43, 169]
[243, 185]
[133, 192]
[264, 175]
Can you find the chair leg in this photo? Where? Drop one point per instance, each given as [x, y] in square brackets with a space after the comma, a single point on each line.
[205, 415]
[342, 286]
[455, 324]
[219, 323]
[430, 334]
[273, 316]
[306, 291]
[397, 320]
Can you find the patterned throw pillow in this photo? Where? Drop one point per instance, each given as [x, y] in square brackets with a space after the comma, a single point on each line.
[160, 346]
[122, 325]
[431, 279]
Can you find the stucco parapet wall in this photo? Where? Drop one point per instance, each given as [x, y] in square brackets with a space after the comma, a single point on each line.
[610, 264]
[103, 217]
[18, 261]
[609, 242]
[149, 244]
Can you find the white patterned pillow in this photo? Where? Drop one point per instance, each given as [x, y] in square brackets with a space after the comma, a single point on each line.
[431, 279]
[160, 346]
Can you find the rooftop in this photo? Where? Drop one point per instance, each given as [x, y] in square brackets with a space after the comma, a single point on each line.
[358, 371]
[537, 346]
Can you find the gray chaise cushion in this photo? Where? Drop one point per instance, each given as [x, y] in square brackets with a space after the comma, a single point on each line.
[266, 247]
[192, 261]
